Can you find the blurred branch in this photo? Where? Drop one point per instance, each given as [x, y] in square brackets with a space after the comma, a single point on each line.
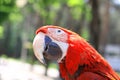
[104, 25]
[95, 24]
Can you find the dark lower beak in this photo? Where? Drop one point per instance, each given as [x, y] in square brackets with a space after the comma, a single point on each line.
[52, 51]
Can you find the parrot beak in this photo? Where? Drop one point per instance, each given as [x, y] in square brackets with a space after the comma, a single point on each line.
[44, 48]
[38, 47]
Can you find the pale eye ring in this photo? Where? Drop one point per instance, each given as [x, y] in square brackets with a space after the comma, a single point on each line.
[58, 31]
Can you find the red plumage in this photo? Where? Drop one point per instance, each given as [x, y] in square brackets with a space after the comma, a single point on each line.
[82, 61]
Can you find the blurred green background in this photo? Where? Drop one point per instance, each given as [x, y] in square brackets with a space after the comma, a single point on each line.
[98, 21]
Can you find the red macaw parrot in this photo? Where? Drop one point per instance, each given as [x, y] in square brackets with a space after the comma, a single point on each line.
[77, 59]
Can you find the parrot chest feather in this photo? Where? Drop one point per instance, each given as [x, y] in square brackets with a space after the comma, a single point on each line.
[98, 72]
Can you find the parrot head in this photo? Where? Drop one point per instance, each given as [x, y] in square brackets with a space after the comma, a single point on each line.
[51, 42]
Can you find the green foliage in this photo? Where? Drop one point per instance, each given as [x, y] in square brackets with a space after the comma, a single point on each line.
[46, 8]
[73, 3]
[53, 65]
[76, 7]
[85, 33]
[6, 7]
[1, 32]
[3, 56]
[79, 8]
[15, 17]
[88, 13]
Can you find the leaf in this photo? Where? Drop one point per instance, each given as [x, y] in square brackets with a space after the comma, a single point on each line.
[1, 31]
[73, 3]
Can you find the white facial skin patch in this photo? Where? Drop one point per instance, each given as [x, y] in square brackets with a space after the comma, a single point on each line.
[57, 34]
[60, 37]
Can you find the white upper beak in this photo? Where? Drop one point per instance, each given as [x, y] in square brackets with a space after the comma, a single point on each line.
[38, 46]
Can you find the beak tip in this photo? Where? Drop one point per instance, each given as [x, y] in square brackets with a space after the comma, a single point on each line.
[43, 62]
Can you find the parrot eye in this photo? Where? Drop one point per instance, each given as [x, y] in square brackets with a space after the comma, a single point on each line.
[58, 31]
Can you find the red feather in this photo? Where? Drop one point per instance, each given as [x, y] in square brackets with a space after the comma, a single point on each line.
[83, 62]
